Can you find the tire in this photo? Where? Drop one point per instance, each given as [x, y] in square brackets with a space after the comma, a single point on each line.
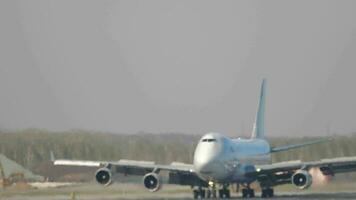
[208, 195]
[202, 194]
[263, 195]
[221, 193]
[271, 192]
[244, 193]
[251, 193]
[214, 194]
[267, 193]
[228, 194]
[195, 194]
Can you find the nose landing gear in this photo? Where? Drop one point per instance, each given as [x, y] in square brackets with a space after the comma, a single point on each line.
[202, 194]
[199, 193]
[211, 192]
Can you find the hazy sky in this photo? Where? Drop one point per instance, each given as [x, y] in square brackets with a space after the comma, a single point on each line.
[178, 66]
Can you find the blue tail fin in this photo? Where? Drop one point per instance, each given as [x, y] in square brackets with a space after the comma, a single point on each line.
[258, 126]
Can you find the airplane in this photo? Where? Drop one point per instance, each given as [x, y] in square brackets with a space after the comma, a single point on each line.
[220, 161]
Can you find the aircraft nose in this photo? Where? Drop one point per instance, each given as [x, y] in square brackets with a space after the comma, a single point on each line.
[207, 153]
[203, 164]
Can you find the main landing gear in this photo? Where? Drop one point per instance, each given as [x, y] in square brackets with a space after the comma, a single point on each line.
[202, 194]
[250, 193]
[211, 192]
[224, 193]
[267, 193]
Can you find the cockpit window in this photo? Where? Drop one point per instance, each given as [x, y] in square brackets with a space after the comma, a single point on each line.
[209, 140]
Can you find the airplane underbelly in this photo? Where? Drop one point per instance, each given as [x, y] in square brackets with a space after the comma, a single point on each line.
[238, 168]
[214, 172]
[233, 170]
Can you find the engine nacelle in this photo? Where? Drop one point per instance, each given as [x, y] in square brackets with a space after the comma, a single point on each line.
[152, 182]
[302, 179]
[103, 176]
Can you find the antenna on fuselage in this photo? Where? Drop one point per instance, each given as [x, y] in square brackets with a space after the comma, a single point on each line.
[258, 126]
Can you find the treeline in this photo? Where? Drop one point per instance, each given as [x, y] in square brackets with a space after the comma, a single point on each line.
[31, 147]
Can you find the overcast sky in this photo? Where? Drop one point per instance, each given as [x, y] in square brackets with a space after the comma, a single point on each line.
[178, 66]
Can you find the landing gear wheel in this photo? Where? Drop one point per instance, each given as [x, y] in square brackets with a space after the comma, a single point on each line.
[195, 194]
[202, 194]
[248, 193]
[252, 193]
[213, 192]
[208, 194]
[199, 194]
[267, 193]
[224, 194]
[271, 192]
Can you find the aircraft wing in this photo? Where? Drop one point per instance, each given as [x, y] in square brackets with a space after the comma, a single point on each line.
[281, 173]
[123, 165]
[179, 173]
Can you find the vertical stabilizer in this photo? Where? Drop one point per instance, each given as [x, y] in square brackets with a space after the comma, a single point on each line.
[258, 126]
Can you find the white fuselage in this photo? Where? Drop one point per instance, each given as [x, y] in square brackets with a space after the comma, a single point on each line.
[221, 159]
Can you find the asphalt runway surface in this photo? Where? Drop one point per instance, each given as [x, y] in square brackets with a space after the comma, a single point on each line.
[341, 190]
[351, 195]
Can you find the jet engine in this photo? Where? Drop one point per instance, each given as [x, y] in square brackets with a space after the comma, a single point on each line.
[302, 179]
[152, 182]
[103, 176]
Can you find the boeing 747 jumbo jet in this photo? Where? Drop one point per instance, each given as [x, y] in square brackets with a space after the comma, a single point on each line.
[220, 161]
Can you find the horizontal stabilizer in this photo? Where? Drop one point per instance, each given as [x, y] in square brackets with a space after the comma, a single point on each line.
[295, 146]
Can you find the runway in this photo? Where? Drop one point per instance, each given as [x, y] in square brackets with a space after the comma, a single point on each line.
[338, 190]
[351, 195]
